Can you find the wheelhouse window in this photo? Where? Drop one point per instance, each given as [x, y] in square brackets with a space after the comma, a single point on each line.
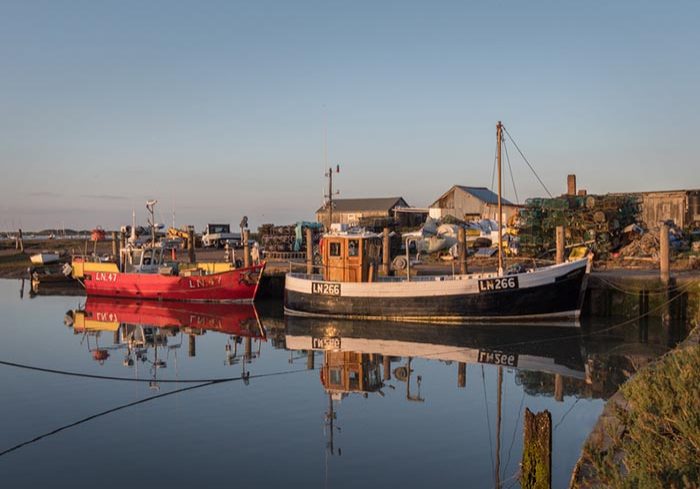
[334, 248]
[353, 247]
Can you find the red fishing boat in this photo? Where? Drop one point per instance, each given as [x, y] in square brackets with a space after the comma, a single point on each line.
[145, 274]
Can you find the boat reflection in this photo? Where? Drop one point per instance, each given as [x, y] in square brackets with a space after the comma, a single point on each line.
[362, 357]
[554, 351]
[147, 331]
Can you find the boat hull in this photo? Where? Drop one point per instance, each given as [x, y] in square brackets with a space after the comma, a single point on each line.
[239, 285]
[546, 295]
[44, 258]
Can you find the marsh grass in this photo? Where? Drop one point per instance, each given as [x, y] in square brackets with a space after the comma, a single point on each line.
[659, 443]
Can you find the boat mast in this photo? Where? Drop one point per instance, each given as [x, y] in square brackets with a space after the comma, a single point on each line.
[499, 141]
[497, 471]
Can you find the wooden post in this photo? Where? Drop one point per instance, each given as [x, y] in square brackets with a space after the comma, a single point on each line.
[190, 245]
[560, 244]
[192, 350]
[461, 375]
[122, 246]
[310, 360]
[246, 248]
[309, 252]
[115, 245]
[536, 465]
[558, 388]
[20, 242]
[462, 248]
[386, 253]
[386, 367]
[248, 349]
[664, 255]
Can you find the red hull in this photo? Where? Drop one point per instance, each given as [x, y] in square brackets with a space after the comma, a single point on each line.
[233, 319]
[238, 285]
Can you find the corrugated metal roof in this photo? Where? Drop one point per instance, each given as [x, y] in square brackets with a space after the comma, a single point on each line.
[374, 204]
[484, 195]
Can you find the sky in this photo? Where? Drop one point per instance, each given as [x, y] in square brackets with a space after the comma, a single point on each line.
[224, 109]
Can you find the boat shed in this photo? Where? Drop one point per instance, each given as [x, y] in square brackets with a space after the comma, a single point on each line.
[680, 206]
[471, 203]
[355, 212]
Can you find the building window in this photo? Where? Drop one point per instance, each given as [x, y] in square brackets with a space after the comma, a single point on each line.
[334, 249]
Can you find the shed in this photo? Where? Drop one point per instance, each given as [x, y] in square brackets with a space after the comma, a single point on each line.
[469, 203]
[680, 206]
[351, 211]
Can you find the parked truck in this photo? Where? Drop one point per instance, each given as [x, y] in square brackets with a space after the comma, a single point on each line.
[217, 235]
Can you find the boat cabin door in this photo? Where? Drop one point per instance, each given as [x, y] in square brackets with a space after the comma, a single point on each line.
[345, 259]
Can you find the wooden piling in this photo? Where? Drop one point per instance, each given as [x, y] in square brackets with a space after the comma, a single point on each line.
[536, 465]
[20, 242]
[386, 253]
[246, 248]
[115, 245]
[192, 350]
[462, 248]
[558, 388]
[310, 360]
[309, 252]
[560, 244]
[190, 245]
[248, 349]
[386, 367]
[461, 375]
[665, 254]
[122, 246]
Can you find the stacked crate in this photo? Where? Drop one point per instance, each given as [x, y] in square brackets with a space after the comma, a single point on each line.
[277, 238]
[597, 220]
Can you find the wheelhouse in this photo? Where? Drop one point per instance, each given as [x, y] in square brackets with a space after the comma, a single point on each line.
[350, 257]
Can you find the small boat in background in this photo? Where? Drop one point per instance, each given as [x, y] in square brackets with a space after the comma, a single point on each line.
[44, 258]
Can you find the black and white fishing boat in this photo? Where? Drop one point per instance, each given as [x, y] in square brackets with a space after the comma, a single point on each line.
[350, 288]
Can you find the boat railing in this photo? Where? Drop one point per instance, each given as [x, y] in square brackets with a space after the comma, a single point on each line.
[399, 278]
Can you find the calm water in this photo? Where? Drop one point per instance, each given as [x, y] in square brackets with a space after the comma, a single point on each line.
[335, 417]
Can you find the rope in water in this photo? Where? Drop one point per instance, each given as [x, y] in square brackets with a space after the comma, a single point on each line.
[141, 401]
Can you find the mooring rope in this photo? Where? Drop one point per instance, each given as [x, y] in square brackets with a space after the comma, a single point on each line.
[131, 379]
[565, 337]
[140, 401]
[631, 291]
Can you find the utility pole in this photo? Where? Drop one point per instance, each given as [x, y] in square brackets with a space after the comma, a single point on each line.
[329, 204]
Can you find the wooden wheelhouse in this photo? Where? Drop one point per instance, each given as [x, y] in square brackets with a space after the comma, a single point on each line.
[350, 257]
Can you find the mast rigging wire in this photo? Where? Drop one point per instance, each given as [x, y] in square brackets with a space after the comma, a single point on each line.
[528, 163]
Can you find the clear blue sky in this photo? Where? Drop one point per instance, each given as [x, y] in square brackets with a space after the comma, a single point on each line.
[218, 108]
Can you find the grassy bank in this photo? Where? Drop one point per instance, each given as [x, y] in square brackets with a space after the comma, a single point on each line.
[652, 431]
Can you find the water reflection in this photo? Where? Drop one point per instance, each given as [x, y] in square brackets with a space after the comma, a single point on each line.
[399, 402]
[549, 350]
[148, 334]
[367, 359]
